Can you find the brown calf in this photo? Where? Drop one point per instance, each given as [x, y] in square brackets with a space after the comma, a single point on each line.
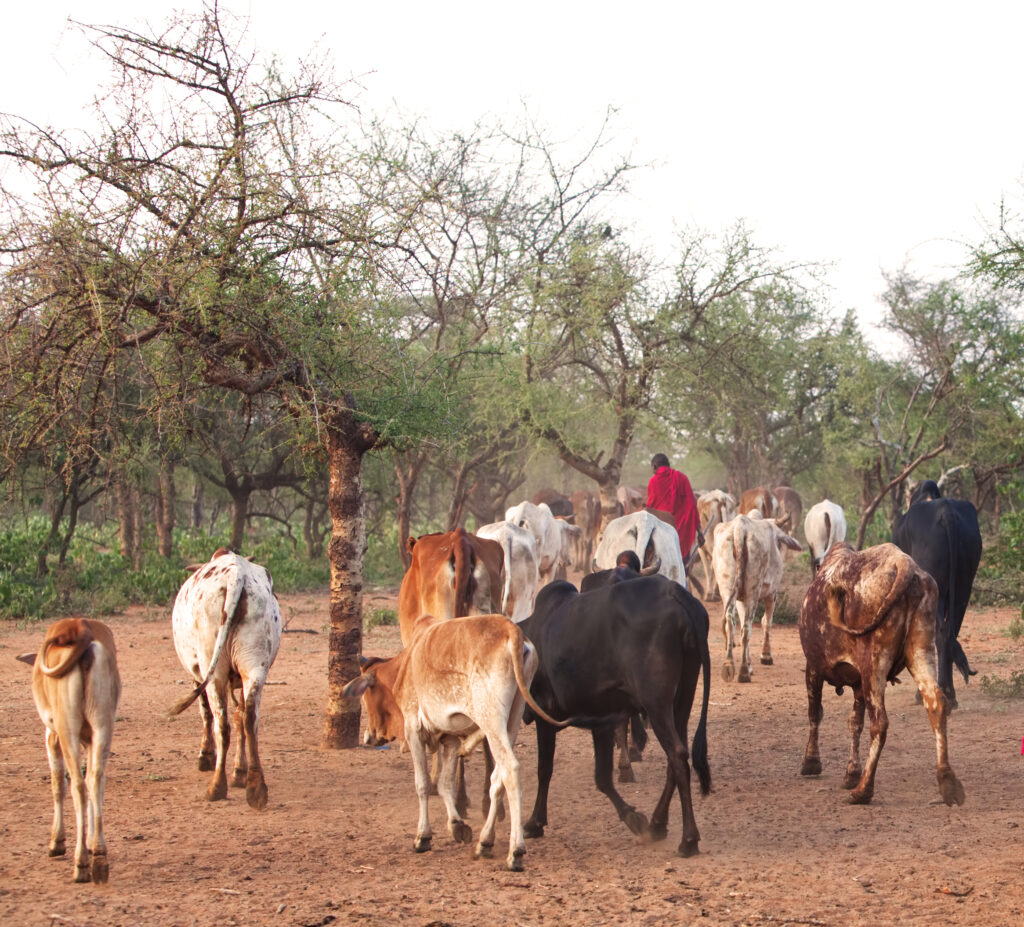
[866, 617]
[76, 688]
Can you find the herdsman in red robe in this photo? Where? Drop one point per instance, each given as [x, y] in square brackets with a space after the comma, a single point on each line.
[670, 491]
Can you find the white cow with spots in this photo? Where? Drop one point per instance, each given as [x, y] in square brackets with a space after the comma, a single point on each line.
[227, 628]
[748, 569]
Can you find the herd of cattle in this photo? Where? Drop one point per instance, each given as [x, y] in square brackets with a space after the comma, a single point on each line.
[629, 646]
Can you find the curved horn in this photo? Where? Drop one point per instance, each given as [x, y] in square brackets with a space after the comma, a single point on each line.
[653, 568]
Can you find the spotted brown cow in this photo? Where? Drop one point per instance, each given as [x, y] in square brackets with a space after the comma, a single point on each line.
[760, 499]
[866, 616]
[76, 687]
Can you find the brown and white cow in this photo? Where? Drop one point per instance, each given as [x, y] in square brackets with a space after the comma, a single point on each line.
[227, 629]
[76, 688]
[760, 499]
[587, 508]
[748, 569]
[866, 616]
[790, 508]
[452, 574]
[456, 683]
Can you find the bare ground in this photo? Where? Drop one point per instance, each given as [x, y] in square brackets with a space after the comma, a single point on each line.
[335, 844]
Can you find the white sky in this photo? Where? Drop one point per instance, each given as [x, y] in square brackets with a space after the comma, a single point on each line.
[863, 134]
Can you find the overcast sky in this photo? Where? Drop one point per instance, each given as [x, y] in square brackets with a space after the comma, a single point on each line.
[865, 135]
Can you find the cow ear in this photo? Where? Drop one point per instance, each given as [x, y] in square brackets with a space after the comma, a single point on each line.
[29, 658]
[410, 543]
[357, 687]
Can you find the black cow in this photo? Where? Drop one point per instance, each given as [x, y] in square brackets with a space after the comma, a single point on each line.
[633, 647]
[943, 537]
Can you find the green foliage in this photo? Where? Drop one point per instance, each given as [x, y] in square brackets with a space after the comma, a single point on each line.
[97, 580]
[1016, 628]
[997, 687]
[382, 564]
[378, 617]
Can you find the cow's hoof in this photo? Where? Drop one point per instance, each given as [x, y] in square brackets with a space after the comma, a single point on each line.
[851, 778]
[82, 873]
[483, 851]
[58, 849]
[238, 778]
[100, 868]
[657, 830]
[217, 791]
[532, 829]
[951, 789]
[461, 831]
[767, 660]
[811, 767]
[206, 762]
[256, 792]
[728, 672]
[515, 861]
[635, 755]
[860, 797]
[688, 848]
[626, 774]
[422, 844]
[745, 675]
[636, 821]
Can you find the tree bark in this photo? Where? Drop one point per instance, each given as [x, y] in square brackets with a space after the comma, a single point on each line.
[347, 442]
[239, 515]
[166, 498]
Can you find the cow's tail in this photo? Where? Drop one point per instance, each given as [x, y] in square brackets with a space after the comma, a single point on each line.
[462, 565]
[234, 597]
[506, 592]
[643, 538]
[75, 635]
[957, 651]
[741, 558]
[904, 574]
[699, 750]
[517, 644]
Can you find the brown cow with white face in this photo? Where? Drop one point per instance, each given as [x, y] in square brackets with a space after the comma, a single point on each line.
[866, 616]
[76, 688]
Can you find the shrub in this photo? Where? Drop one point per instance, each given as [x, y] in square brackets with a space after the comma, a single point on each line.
[378, 617]
[996, 687]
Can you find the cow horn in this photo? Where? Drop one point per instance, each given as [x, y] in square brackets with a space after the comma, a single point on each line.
[653, 568]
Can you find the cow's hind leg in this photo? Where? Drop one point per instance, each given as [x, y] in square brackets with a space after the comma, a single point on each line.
[505, 778]
[207, 750]
[461, 832]
[937, 706]
[58, 840]
[670, 729]
[604, 750]
[658, 829]
[422, 777]
[766, 630]
[218, 787]
[255, 784]
[855, 724]
[96, 783]
[745, 614]
[69, 742]
[729, 666]
[241, 769]
[812, 758]
[622, 746]
[545, 765]
[873, 692]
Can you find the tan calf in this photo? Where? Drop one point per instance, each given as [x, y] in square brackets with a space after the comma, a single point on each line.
[456, 683]
[865, 618]
[76, 688]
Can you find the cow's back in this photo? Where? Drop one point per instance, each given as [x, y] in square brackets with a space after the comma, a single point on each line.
[942, 535]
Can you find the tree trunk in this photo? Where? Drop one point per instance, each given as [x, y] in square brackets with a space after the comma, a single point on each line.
[347, 442]
[407, 472]
[166, 498]
[125, 501]
[239, 514]
[196, 511]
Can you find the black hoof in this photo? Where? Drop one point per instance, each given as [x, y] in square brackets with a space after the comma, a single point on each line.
[483, 851]
[767, 661]
[626, 774]
[422, 844]
[688, 848]
[461, 832]
[532, 829]
[851, 779]
[636, 822]
[811, 768]
[657, 832]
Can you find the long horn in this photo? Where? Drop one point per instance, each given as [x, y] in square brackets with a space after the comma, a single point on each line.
[653, 568]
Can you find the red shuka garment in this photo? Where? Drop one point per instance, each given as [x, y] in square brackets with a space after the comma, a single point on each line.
[670, 491]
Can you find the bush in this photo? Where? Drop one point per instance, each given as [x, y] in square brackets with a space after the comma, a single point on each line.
[996, 687]
[378, 617]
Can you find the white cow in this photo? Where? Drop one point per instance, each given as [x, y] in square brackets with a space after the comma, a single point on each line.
[824, 527]
[748, 569]
[552, 536]
[521, 574]
[227, 628]
[715, 507]
[649, 538]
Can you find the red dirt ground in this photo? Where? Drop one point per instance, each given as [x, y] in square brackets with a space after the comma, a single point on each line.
[335, 844]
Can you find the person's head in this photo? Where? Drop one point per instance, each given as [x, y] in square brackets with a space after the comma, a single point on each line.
[658, 461]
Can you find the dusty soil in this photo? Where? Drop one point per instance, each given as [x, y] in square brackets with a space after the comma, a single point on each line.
[335, 844]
